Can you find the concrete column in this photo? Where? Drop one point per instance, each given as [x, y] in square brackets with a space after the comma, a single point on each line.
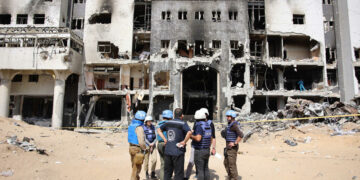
[344, 51]
[280, 102]
[58, 101]
[280, 74]
[247, 75]
[5, 86]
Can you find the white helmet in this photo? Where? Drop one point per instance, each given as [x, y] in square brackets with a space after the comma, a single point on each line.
[148, 118]
[199, 115]
[206, 111]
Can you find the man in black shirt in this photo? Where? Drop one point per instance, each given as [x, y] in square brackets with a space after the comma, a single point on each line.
[178, 133]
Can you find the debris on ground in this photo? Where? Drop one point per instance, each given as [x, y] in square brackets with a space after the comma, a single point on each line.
[290, 142]
[25, 145]
[7, 173]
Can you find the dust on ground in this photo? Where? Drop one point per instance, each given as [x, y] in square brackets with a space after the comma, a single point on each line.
[72, 155]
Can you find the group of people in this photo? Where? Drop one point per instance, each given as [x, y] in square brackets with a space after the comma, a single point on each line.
[170, 137]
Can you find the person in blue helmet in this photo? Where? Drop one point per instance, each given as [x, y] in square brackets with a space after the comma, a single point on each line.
[178, 133]
[233, 136]
[136, 139]
[202, 138]
[167, 115]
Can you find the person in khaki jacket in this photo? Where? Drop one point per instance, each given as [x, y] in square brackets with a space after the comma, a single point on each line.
[137, 146]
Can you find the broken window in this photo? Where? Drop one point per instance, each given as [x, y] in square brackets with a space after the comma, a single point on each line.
[298, 19]
[332, 77]
[199, 15]
[233, 15]
[33, 78]
[328, 25]
[17, 78]
[256, 10]
[77, 23]
[357, 74]
[182, 15]
[216, 16]
[236, 49]
[275, 46]
[357, 54]
[5, 18]
[256, 47]
[108, 50]
[141, 47]
[39, 18]
[101, 18]
[37, 107]
[237, 76]
[239, 101]
[142, 16]
[162, 79]
[330, 55]
[199, 48]
[22, 19]
[216, 44]
[165, 44]
[165, 15]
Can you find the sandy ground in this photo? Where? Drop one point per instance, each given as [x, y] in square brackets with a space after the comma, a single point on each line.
[87, 156]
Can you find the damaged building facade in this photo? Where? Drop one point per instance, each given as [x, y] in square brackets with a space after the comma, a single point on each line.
[116, 57]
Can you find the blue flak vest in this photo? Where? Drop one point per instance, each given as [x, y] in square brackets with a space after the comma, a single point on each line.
[149, 133]
[164, 132]
[206, 137]
[132, 137]
[231, 135]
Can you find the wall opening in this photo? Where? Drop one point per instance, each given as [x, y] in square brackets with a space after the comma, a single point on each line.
[256, 47]
[256, 10]
[39, 18]
[160, 104]
[37, 110]
[357, 74]
[301, 47]
[162, 80]
[199, 90]
[183, 51]
[275, 46]
[237, 50]
[264, 78]
[264, 104]
[108, 50]
[311, 77]
[141, 47]
[108, 109]
[101, 18]
[239, 101]
[70, 101]
[357, 54]
[332, 77]
[105, 78]
[330, 55]
[5, 18]
[199, 48]
[142, 16]
[237, 76]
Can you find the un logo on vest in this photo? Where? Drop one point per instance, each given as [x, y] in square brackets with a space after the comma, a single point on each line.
[171, 135]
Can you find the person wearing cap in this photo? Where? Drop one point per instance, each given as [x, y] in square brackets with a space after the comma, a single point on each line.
[202, 137]
[213, 144]
[136, 139]
[150, 140]
[167, 115]
[178, 133]
[233, 136]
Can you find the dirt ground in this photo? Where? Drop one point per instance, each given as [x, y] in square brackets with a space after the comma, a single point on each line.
[105, 156]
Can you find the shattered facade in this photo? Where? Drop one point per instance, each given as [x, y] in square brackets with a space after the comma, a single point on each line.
[94, 63]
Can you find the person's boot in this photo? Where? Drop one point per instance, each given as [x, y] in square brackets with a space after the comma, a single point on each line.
[153, 175]
[147, 175]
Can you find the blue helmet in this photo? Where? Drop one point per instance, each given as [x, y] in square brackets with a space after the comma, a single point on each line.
[140, 115]
[234, 114]
[167, 114]
[230, 113]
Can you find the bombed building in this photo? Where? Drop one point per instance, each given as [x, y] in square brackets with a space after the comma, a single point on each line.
[71, 63]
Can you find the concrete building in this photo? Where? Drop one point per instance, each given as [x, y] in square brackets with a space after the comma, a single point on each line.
[41, 60]
[247, 55]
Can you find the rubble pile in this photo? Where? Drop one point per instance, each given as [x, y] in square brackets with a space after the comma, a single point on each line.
[25, 144]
